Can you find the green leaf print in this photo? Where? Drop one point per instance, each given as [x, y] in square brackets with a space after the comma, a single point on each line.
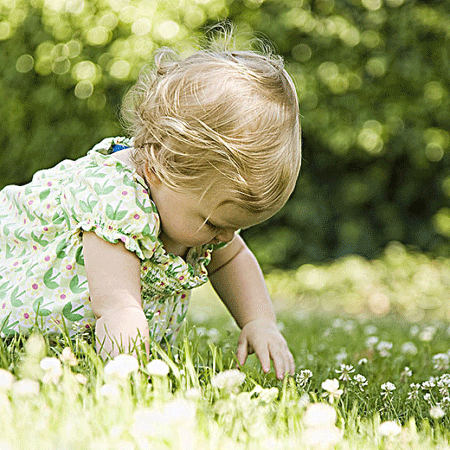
[128, 181]
[57, 218]
[93, 173]
[18, 235]
[6, 327]
[44, 194]
[4, 288]
[15, 301]
[69, 314]
[115, 214]
[85, 207]
[103, 190]
[75, 286]
[79, 256]
[30, 270]
[146, 232]
[60, 253]
[146, 209]
[38, 309]
[39, 239]
[48, 279]
[9, 251]
[27, 190]
[6, 229]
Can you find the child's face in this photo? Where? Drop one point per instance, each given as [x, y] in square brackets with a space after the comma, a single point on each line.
[190, 220]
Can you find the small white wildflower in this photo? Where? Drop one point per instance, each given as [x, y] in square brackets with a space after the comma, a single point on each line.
[302, 378]
[427, 397]
[68, 357]
[110, 391]
[341, 356]
[229, 380]
[121, 366]
[320, 415]
[371, 341]
[441, 361]
[158, 368]
[387, 388]
[413, 394]
[268, 395]
[52, 370]
[390, 429]
[409, 348]
[6, 379]
[428, 384]
[321, 437]
[362, 361]
[26, 387]
[360, 381]
[427, 334]
[81, 378]
[370, 329]
[406, 373]
[384, 348]
[345, 370]
[436, 412]
[414, 330]
[332, 388]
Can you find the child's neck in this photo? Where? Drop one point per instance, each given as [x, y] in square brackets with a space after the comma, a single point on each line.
[173, 247]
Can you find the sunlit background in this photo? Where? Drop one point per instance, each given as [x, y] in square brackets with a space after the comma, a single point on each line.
[373, 82]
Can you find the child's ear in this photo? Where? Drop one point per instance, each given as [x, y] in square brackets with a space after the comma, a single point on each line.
[151, 177]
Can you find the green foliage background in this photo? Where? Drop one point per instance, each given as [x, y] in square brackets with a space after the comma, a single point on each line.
[372, 78]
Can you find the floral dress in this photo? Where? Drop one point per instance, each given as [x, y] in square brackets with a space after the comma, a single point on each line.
[43, 280]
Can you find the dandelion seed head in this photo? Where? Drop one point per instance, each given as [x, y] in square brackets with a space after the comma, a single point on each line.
[6, 379]
[409, 348]
[121, 366]
[389, 429]
[52, 370]
[436, 412]
[158, 368]
[229, 380]
[319, 415]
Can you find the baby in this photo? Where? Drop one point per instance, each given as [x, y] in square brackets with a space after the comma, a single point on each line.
[118, 238]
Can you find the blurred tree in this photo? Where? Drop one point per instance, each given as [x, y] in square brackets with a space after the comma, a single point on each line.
[373, 83]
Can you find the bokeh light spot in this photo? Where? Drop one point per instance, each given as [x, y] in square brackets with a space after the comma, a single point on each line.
[168, 29]
[84, 89]
[141, 26]
[5, 30]
[24, 63]
[120, 69]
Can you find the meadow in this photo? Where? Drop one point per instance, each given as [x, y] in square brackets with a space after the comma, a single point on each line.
[371, 343]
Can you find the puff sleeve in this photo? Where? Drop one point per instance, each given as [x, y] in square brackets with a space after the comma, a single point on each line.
[107, 197]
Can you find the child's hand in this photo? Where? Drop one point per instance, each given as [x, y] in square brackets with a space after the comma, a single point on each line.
[263, 338]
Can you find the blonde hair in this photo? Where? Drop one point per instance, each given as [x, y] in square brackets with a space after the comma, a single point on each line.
[233, 113]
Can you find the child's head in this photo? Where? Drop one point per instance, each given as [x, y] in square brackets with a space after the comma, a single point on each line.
[223, 118]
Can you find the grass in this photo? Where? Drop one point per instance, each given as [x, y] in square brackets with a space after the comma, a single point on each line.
[391, 385]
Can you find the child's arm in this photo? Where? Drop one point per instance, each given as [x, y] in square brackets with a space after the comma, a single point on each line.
[113, 275]
[237, 278]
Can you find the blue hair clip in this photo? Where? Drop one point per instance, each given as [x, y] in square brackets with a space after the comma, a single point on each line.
[118, 147]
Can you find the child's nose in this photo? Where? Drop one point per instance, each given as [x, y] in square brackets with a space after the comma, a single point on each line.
[225, 235]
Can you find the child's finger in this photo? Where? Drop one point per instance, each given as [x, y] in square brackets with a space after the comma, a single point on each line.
[280, 360]
[264, 358]
[242, 350]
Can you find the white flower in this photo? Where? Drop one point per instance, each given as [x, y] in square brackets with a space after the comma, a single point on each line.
[414, 393]
[228, 380]
[6, 379]
[371, 341]
[387, 388]
[362, 361]
[26, 387]
[68, 357]
[332, 387]
[384, 348]
[268, 395]
[158, 368]
[407, 372]
[111, 391]
[81, 378]
[441, 361]
[409, 348]
[436, 412]
[345, 370]
[390, 429]
[52, 370]
[302, 378]
[321, 437]
[360, 381]
[319, 415]
[427, 334]
[121, 366]
[341, 356]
